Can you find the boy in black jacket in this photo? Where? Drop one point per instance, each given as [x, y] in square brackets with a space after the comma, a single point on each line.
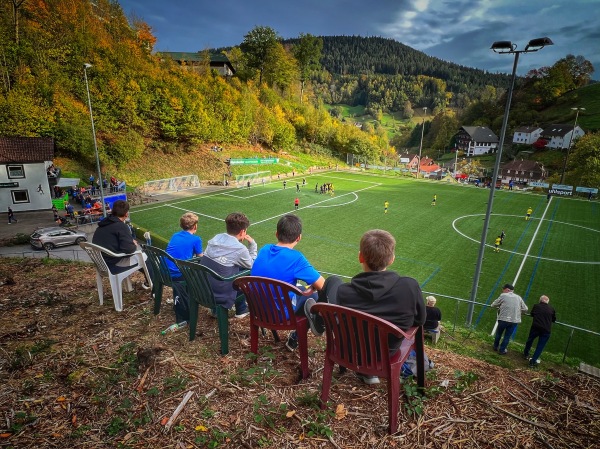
[384, 294]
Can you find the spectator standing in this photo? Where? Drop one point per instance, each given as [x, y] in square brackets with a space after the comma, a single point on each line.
[510, 306]
[227, 255]
[543, 316]
[183, 245]
[385, 294]
[11, 216]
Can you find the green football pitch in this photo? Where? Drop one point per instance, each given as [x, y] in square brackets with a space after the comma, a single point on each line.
[556, 252]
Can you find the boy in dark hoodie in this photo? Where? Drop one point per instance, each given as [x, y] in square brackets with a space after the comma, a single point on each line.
[114, 235]
[384, 294]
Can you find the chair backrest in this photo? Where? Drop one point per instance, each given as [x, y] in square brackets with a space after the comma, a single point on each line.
[158, 258]
[197, 281]
[269, 301]
[360, 341]
[95, 253]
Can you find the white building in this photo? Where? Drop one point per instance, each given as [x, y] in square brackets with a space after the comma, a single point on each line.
[24, 176]
[527, 135]
[559, 136]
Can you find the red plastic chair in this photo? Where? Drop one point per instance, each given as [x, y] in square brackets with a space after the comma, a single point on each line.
[359, 341]
[271, 308]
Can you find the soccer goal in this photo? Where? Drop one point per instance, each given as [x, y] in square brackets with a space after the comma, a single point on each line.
[170, 185]
[260, 178]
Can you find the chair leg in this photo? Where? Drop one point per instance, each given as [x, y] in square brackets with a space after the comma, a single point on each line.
[128, 284]
[393, 394]
[100, 288]
[223, 323]
[302, 333]
[254, 338]
[326, 386]
[157, 291]
[193, 305]
[117, 292]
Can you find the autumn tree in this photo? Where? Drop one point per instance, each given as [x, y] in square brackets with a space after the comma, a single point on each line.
[308, 52]
[584, 161]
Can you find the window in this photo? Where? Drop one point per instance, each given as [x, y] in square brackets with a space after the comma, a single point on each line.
[15, 171]
[20, 196]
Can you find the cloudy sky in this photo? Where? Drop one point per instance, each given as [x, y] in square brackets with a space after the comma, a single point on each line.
[460, 31]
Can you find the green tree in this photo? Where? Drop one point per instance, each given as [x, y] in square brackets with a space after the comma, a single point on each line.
[579, 68]
[256, 47]
[308, 52]
[280, 68]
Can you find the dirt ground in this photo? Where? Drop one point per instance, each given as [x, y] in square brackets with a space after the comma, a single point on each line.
[74, 373]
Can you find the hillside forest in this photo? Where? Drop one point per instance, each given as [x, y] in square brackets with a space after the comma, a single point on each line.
[146, 106]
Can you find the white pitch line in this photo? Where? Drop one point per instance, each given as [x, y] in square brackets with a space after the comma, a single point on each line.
[197, 213]
[312, 205]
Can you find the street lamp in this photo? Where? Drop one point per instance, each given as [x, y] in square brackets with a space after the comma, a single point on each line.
[87, 87]
[421, 144]
[562, 177]
[500, 47]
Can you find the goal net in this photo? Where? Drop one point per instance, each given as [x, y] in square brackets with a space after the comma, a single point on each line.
[260, 178]
[169, 185]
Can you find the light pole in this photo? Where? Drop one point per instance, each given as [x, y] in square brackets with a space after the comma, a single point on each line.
[562, 177]
[500, 47]
[421, 144]
[87, 87]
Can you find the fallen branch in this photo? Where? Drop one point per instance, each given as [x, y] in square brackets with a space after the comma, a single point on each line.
[178, 410]
[520, 418]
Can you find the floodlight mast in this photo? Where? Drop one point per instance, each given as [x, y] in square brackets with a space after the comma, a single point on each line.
[87, 87]
[562, 177]
[500, 47]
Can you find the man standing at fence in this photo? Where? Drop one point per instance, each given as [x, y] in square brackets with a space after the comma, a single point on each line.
[510, 305]
[543, 315]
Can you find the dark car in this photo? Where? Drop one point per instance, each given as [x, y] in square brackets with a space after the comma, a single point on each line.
[49, 238]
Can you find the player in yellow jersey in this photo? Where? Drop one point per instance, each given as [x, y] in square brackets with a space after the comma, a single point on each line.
[497, 244]
[434, 200]
[385, 206]
[529, 212]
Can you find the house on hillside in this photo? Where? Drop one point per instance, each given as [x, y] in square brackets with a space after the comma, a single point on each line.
[521, 172]
[559, 136]
[26, 172]
[410, 160]
[196, 61]
[527, 135]
[476, 140]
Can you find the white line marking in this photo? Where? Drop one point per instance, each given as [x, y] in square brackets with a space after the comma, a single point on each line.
[197, 213]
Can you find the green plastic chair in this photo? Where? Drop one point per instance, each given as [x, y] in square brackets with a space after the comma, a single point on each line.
[159, 272]
[196, 278]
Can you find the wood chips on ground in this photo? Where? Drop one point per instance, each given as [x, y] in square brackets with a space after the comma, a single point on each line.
[77, 374]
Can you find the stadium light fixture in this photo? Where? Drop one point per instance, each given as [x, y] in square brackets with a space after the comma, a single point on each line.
[87, 88]
[562, 177]
[510, 48]
[421, 144]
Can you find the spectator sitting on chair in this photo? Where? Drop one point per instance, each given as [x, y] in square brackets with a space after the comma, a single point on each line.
[227, 255]
[114, 235]
[384, 294]
[183, 245]
[434, 315]
[284, 263]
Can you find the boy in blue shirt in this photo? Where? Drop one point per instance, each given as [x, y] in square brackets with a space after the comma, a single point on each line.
[284, 263]
[183, 245]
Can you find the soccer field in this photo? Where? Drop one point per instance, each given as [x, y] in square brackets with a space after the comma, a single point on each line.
[556, 253]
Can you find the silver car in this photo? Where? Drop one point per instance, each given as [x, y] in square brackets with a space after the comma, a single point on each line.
[50, 238]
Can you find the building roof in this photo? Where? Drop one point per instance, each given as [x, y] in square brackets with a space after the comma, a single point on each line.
[26, 149]
[521, 165]
[481, 134]
[527, 129]
[557, 130]
[215, 58]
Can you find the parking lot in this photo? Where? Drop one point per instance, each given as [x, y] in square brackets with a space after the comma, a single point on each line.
[29, 222]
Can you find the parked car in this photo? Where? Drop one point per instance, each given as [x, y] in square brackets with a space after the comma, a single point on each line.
[50, 238]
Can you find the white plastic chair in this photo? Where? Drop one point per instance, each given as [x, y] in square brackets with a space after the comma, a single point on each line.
[116, 280]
